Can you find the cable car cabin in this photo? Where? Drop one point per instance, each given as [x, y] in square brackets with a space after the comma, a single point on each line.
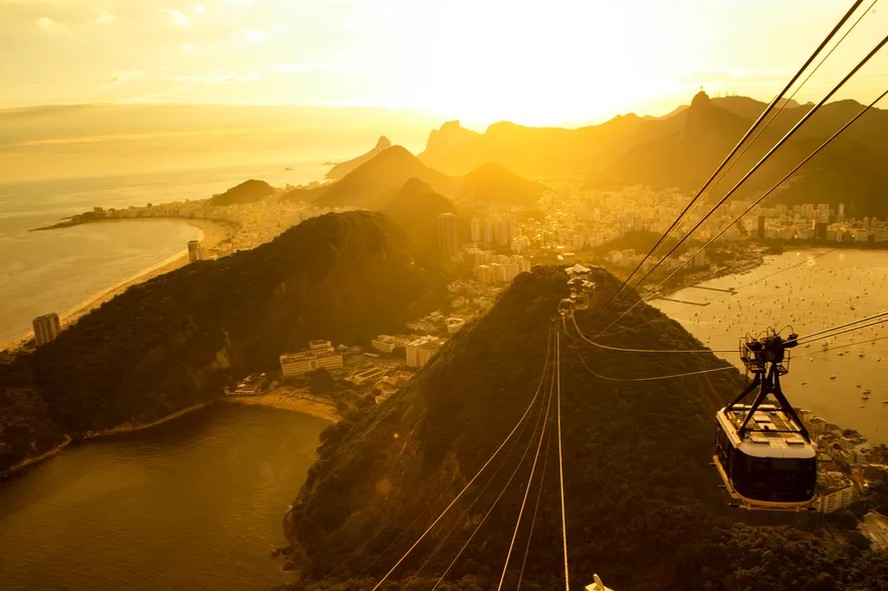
[773, 467]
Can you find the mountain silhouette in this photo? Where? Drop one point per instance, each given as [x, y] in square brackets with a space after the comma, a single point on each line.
[369, 186]
[343, 168]
[494, 183]
[682, 149]
[415, 208]
[373, 184]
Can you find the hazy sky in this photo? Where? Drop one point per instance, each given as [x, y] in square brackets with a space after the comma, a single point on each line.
[540, 62]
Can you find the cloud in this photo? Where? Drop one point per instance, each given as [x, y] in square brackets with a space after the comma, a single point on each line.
[305, 67]
[106, 17]
[121, 76]
[175, 18]
[52, 27]
[252, 35]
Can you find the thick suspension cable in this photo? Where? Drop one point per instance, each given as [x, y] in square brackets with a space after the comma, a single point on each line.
[847, 330]
[486, 515]
[536, 509]
[761, 117]
[807, 337]
[753, 204]
[561, 458]
[490, 481]
[847, 345]
[656, 296]
[533, 467]
[652, 378]
[630, 350]
[477, 474]
[766, 157]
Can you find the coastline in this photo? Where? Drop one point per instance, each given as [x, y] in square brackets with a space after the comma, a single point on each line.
[99, 435]
[36, 459]
[292, 399]
[210, 232]
[134, 427]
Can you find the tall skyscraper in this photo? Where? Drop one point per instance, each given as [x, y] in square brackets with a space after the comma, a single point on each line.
[476, 230]
[448, 239]
[46, 328]
[195, 251]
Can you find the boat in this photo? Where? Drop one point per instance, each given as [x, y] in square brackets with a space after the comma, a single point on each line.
[861, 354]
[867, 392]
[832, 377]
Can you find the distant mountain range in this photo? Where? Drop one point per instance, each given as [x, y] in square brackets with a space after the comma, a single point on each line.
[374, 183]
[683, 148]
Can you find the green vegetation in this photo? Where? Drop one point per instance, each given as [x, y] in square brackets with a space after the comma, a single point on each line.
[643, 506]
[175, 340]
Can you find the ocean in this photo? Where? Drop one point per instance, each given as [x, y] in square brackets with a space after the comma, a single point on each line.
[60, 270]
[196, 503]
[806, 291]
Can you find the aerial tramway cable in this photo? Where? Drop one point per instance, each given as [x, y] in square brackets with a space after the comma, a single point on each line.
[770, 107]
[490, 510]
[561, 458]
[847, 330]
[840, 326]
[477, 474]
[751, 206]
[630, 350]
[533, 467]
[468, 509]
[766, 157]
[536, 509]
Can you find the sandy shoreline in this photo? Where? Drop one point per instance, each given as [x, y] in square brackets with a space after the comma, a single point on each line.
[211, 234]
[293, 399]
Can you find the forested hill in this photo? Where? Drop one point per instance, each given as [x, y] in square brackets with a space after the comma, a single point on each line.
[642, 504]
[175, 340]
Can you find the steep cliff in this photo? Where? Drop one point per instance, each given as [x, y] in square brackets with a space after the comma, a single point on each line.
[175, 340]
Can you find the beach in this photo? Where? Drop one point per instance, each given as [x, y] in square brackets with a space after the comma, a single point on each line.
[211, 234]
[290, 398]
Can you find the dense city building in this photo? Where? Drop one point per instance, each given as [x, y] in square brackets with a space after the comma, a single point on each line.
[448, 235]
[320, 355]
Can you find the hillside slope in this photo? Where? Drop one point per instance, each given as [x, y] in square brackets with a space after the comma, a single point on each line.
[247, 192]
[175, 340]
[343, 168]
[643, 509]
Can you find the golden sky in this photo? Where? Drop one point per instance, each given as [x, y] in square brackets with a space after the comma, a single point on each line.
[540, 62]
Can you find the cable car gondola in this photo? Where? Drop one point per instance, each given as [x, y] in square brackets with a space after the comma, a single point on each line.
[763, 451]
